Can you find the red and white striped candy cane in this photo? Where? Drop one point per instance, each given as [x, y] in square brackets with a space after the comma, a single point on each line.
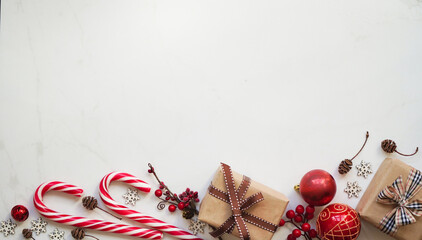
[81, 221]
[135, 215]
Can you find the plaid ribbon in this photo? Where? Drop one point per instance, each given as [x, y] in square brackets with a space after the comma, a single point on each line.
[405, 211]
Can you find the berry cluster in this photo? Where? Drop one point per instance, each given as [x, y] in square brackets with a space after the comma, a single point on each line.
[186, 201]
[188, 196]
[299, 218]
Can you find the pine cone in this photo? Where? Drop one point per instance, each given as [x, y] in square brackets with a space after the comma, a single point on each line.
[78, 233]
[388, 145]
[27, 233]
[188, 213]
[345, 166]
[89, 202]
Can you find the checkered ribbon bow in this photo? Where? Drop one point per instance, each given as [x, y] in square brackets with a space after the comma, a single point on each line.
[405, 211]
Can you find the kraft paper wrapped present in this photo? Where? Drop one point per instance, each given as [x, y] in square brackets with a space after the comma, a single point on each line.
[238, 205]
[393, 208]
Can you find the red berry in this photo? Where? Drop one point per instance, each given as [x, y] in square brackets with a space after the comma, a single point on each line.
[167, 198]
[196, 199]
[161, 187]
[306, 227]
[187, 190]
[312, 233]
[158, 193]
[296, 233]
[291, 237]
[172, 208]
[300, 209]
[298, 218]
[310, 209]
[282, 222]
[184, 194]
[181, 205]
[309, 216]
[149, 170]
[290, 214]
[185, 199]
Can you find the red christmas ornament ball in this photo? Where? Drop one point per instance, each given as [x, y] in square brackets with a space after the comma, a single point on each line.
[338, 222]
[317, 187]
[20, 213]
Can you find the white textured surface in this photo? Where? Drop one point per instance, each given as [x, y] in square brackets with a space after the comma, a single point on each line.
[274, 88]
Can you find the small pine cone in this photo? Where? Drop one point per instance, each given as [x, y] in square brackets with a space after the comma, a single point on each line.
[89, 202]
[78, 233]
[27, 233]
[388, 145]
[188, 213]
[345, 166]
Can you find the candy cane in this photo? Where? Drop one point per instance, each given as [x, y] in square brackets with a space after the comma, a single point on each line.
[81, 221]
[132, 214]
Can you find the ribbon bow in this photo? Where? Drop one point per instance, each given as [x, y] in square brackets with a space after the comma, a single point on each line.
[239, 205]
[405, 211]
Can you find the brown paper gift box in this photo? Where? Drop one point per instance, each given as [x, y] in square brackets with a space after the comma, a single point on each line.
[215, 212]
[372, 211]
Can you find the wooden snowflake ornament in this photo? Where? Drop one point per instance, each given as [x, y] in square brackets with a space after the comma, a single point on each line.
[131, 196]
[196, 226]
[8, 227]
[353, 189]
[38, 226]
[56, 235]
[364, 168]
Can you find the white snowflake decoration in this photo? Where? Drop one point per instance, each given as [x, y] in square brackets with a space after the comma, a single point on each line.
[353, 189]
[196, 226]
[39, 226]
[56, 235]
[364, 169]
[131, 196]
[8, 227]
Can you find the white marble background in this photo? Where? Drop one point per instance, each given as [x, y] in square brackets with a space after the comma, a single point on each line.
[274, 88]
